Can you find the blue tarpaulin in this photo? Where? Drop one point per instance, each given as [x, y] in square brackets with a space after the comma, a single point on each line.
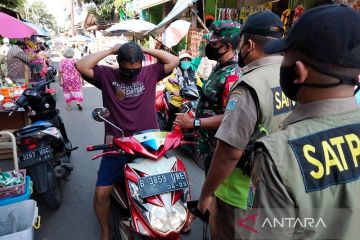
[41, 31]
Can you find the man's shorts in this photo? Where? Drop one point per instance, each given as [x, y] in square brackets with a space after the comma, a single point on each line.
[111, 170]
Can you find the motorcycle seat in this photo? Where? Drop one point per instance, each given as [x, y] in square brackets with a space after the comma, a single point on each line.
[35, 126]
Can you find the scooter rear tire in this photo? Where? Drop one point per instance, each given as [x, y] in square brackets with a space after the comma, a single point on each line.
[115, 214]
[52, 197]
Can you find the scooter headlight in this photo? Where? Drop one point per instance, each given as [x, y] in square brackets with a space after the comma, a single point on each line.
[53, 131]
[165, 220]
[159, 219]
[177, 216]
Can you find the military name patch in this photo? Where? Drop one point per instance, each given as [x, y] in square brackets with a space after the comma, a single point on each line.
[282, 104]
[329, 157]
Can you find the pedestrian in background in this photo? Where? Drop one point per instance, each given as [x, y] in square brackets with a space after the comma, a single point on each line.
[17, 59]
[4, 49]
[70, 80]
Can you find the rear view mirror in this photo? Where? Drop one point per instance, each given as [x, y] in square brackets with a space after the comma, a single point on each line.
[98, 114]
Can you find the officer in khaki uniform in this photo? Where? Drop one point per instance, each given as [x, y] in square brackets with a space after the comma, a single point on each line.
[255, 106]
[311, 167]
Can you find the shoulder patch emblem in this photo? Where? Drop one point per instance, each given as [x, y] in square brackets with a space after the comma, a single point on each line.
[231, 104]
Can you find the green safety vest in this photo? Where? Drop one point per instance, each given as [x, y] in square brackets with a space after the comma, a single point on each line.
[273, 107]
[318, 160]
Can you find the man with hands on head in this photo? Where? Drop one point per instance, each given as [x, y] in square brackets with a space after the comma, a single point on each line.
[129, 94]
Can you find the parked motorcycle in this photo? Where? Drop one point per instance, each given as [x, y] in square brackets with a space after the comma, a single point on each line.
[153, 202]
[162, 100]
[190, 99]
[43, 145]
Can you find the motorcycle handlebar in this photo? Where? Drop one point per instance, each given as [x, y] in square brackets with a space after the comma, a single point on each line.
[190, 135]
[99, 147]
[41, 85]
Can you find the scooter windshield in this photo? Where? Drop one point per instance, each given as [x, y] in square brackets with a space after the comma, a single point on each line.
[153, 139]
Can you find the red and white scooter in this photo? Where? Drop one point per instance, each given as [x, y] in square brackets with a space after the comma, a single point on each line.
[153, 202]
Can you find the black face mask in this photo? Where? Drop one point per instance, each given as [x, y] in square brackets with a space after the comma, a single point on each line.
[213, 53]
[241, 59]
[129, 74]
[287, 79]
[290, 89]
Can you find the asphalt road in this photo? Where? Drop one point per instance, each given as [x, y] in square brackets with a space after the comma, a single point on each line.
[75, 219]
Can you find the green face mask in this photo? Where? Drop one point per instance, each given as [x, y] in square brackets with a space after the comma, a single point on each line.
[185, 65]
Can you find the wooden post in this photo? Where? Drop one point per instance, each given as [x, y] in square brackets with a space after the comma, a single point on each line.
[199, 20]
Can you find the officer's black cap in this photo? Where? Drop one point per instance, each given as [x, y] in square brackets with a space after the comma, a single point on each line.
[328, 33]
[264, 23]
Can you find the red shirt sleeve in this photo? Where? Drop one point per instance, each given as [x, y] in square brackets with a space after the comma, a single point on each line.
[229, 82]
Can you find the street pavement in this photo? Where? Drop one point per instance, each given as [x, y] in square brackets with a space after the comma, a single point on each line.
[75, 219]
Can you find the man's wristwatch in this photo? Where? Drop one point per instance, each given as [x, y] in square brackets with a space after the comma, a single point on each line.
[197, 123]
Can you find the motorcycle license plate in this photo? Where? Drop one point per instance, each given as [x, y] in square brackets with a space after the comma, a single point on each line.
[162, 183]
[38, 155]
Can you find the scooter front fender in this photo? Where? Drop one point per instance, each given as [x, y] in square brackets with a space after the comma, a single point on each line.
[38, 174]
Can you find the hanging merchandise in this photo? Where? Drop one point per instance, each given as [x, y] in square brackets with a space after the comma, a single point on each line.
[246, 11]
[194, 39]
[228, 14]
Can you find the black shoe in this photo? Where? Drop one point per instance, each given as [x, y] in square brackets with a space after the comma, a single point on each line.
[80, 107]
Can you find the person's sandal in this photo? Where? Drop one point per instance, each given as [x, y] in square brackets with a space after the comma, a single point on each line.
[80, 107]
[68, 108]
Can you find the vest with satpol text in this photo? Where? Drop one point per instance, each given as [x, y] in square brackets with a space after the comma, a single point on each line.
[318, 161]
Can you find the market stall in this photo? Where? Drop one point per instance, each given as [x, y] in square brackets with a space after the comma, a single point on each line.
[11, 89]
[9, 92]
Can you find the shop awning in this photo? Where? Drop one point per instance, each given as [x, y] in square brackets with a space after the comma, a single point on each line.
[145, 4]
[41, 31]
[179, 8]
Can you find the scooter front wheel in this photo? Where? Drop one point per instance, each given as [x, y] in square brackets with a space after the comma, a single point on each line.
[52, 197]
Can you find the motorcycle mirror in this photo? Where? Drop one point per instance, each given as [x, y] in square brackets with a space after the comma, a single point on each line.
[99, 113]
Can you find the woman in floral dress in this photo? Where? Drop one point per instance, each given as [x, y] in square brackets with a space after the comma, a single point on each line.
[70, 80]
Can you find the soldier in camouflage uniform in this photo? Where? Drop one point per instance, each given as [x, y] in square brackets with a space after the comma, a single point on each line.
[223, 40]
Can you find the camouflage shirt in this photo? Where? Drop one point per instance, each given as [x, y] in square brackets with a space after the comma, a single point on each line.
[211, 104]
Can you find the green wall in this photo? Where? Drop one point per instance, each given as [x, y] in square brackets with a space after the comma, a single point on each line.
[210, 5]
[155, 14]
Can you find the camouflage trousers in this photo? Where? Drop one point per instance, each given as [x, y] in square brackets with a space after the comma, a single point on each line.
[205, 149]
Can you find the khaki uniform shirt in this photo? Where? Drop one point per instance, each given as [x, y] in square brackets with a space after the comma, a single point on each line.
[271, 191]
[239, 123]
